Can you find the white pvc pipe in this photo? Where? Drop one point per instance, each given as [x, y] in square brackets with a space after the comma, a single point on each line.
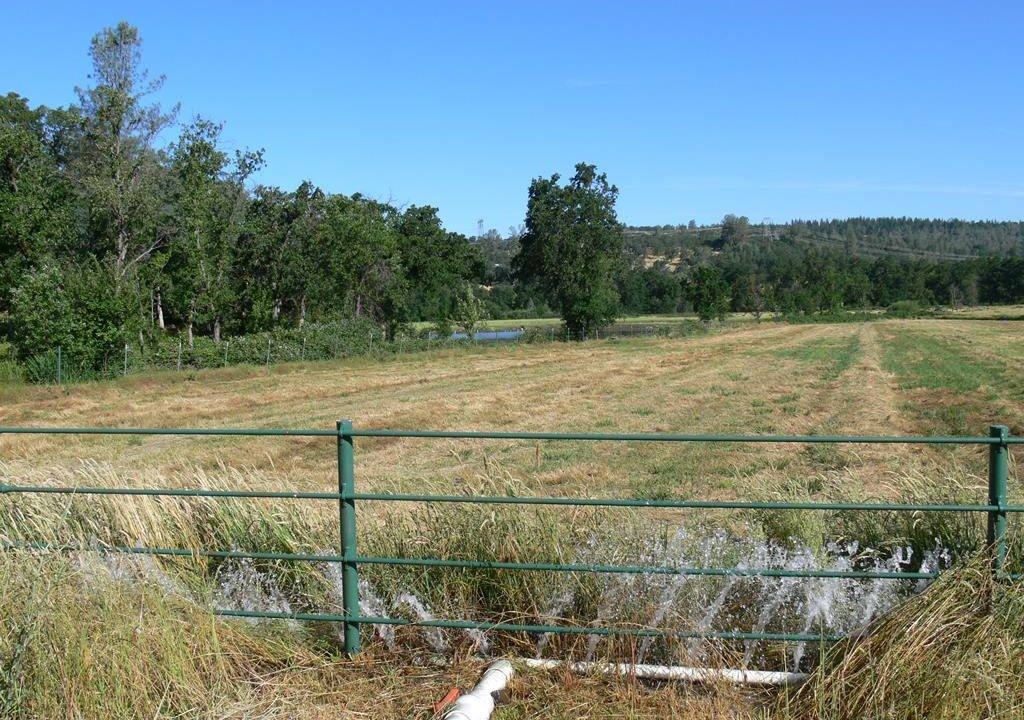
[671, 672]
[478, 704]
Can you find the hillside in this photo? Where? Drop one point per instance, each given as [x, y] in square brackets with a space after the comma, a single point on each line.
[911, 238]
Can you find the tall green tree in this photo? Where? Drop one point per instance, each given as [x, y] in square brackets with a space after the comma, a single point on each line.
[363, 261]
[115, 164]
[735, 230]
[572, 247]
[709, 293]
[437, 263]
[37, 207]
[210, 208]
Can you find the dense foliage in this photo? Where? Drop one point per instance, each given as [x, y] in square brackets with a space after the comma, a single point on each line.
[109, 237]
[741, 267]
[572, 248]
[821, 267]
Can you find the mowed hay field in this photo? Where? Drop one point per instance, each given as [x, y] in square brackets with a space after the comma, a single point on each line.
[893, 377]
[135, 653]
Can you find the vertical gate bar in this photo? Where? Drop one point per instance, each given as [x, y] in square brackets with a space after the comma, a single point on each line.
[998, 470]
[347, 517]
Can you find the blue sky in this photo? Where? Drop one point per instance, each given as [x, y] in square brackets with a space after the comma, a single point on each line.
[768, 109]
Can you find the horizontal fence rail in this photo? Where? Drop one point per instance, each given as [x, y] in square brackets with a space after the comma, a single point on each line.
[996, 510]
[526, 435]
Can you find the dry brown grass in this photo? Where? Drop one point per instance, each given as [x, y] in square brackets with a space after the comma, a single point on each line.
[759, 378]
[755, 378]
[951, 653]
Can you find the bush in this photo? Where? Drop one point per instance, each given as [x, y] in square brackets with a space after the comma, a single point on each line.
[74, 308]
[321, 341]
[905, 309]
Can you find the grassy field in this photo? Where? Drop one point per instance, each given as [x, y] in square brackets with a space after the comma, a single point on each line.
[988, 312]
[884, 377]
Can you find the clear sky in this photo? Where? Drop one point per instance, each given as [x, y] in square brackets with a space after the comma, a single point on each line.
[769, 109]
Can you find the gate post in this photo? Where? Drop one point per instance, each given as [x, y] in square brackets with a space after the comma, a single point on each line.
[998, 470]
[347, 517]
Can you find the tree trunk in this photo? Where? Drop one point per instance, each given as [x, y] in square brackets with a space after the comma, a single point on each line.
[302, 312]
[191, 337]
[359, 305]
[216, 329]
[160, 312]
[277, 309]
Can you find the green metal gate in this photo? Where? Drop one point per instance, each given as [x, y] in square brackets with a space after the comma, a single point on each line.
[996, 509]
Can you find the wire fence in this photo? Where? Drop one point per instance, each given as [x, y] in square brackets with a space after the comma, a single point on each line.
[312, 343]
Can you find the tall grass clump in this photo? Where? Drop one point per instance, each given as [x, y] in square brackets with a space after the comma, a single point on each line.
[79, 641]
[163, 651]
[954, 652]
[880, 533]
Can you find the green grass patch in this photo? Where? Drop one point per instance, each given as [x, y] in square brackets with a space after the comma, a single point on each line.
[835, 355]
[967, 390]
[920, 360]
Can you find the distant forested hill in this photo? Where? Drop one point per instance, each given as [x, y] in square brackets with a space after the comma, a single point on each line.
[824, 265]
[865, 237]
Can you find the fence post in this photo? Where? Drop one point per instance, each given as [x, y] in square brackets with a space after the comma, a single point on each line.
[347, 517]
[58, 364]
[126, 358]
[998, 470]
[179, 354]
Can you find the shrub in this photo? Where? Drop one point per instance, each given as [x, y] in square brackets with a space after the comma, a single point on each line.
[75, 308]
[905, 309]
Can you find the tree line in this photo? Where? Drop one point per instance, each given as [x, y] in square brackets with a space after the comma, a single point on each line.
[108, 236]
[802, 268]
[919, 238]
